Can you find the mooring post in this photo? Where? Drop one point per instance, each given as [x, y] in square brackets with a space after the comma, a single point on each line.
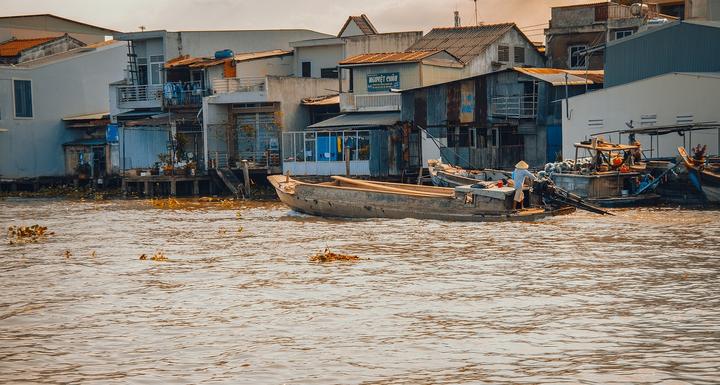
[146, 188]
[347, 161]
[246, 177]
[173, 186]
[196, 187]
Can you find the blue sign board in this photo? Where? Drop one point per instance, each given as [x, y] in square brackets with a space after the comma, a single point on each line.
[383, 81]
[112, 133]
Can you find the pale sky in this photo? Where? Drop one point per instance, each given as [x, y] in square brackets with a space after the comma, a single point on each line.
[320, 15]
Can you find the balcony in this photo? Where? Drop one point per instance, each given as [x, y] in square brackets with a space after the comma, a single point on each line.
[184, 94]
[139, 96]
[230, 85]
[514, 107]
[350, 102]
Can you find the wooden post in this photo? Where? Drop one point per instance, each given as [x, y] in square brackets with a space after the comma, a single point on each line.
[420, 176]
[124, 186]
[196, 187]
[146, 188]
[347, 161]
[173, 187]
[246, 177]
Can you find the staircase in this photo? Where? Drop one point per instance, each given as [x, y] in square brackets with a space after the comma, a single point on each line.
[230, 180]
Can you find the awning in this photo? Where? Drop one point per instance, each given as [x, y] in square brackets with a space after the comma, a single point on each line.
[137, 114]
[96, 116]
[87, 142]
[322, 100]
[558, 77]
[360, 120]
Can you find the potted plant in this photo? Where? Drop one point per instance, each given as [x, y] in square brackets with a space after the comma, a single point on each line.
[83, 171]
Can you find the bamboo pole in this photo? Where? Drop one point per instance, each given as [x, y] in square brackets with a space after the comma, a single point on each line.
[373, 186]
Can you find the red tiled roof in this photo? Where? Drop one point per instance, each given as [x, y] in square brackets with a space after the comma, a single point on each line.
[14, 47]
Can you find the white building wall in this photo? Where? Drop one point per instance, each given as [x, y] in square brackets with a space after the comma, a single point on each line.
[325, 56]
[73, 86]
[274, 66]
[290, 91]
[384, 42]
[666, 100]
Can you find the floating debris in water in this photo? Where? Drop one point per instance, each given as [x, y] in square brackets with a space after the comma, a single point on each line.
[329, 256]
[159, 256]
[67, 254]
[193, 204]
[27, 234]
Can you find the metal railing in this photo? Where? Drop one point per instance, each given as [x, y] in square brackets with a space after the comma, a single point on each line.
[184, 93]
[516, 107]
[140, 93]
[370, 102]
[228, 85]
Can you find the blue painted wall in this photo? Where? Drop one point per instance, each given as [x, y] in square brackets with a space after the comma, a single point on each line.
[140, 146]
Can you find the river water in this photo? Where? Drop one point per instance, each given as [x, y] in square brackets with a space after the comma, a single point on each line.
[577, 299]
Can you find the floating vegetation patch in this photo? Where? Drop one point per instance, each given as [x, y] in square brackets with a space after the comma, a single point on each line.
[159, 256]
[194, 204]
[27, 234]
[329, 256]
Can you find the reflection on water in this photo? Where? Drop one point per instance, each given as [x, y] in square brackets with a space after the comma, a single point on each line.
[574, 299]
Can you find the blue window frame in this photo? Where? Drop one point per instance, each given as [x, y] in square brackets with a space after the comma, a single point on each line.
[23, 98]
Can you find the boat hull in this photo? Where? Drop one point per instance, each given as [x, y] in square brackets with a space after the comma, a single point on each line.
[331, 201]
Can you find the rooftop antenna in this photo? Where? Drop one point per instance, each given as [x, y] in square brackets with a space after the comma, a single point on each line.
[457, 19]
[476, 14]
[142, 28]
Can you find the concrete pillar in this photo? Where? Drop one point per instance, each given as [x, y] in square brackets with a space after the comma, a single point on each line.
[173, 187]
[146, 188]
[196, 187]
[123, 187]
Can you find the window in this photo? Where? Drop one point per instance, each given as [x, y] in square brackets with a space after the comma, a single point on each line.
[519, 55]
[623, 33]
[503, 53]
[306, 69]
[23, 98]
[329, 73]
[156, 66]
[142, 68]
[575, 60]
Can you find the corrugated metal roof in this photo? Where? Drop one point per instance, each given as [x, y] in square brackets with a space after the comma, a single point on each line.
[388, 57]
[326, 100]
[358, 120]
[557, 77]
[15, 46]
[96, 116]
[465, 43]
[203, 62]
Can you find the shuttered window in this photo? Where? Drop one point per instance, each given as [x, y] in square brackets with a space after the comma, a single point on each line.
[23, 98]
[519, 55]
[503, 53]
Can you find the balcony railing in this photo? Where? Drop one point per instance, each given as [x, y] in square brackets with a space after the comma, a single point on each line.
[228, 85]
[183, 94]
[370, 102]
[515, 107]
[140, 94]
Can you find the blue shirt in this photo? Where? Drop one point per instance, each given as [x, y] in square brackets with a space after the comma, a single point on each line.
[519, 175]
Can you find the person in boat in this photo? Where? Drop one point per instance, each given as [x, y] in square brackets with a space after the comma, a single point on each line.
[518, 176]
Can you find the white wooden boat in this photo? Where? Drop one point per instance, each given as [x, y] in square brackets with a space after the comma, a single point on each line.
[445, 175]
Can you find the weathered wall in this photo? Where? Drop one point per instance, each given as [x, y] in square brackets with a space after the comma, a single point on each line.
[290, 91]
[62, 45]
[384, 42]
[275, 66]
[28, 27]
[558, 46]
[409, 75]
[432, 74]
[73, 86]
[484, 62]
[205, 43]
[326, 56]
[693, 97]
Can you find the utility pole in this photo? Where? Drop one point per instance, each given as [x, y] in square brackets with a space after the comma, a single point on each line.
[476, 14]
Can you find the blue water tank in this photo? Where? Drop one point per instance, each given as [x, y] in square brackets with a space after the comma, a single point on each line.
[224, 54]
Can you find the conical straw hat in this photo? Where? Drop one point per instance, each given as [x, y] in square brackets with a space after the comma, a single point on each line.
[522, 165]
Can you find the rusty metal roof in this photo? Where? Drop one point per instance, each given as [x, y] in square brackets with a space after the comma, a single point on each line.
[388, 57]
[465, 43]
[325, 100]
[203, 62]
[16, 46]
[362, 22]
[557, 77]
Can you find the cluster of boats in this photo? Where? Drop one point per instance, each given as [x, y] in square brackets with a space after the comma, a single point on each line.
[613, 176]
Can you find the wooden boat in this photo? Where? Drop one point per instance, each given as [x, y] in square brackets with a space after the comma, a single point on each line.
[445, 175]
[350, 198]
[705, 177]
[607, 184]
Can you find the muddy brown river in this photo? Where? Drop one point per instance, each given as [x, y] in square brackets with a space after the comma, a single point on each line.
[580, 299]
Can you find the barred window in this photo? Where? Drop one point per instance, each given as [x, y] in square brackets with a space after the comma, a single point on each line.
[503, 53]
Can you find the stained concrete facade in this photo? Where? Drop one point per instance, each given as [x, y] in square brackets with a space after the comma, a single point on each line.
[67, 84]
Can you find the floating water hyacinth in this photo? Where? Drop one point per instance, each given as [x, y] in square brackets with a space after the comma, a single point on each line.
[329, 256]
[27, 234]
